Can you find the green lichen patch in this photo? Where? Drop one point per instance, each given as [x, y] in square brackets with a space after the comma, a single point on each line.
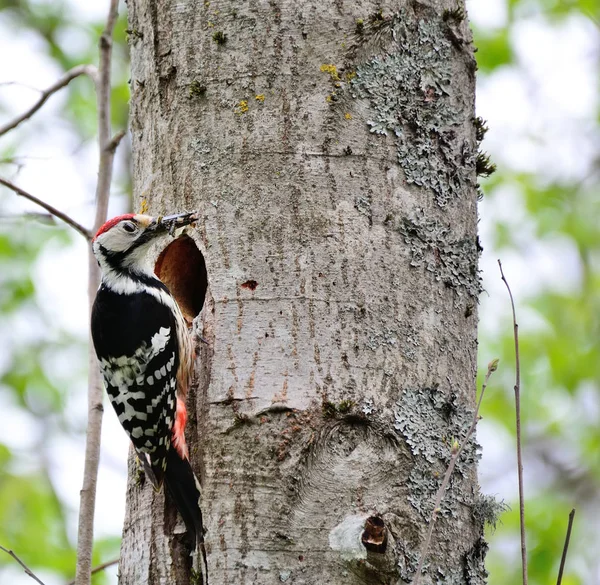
[487, 510]
[195, 577]
[484, 166]
[430, 421]
[408, 561]
[331, 69]
[197, 89]
[481, 128]
[409, 86]
[342, 408]
[219, 37]
[454, 14]
[474, 572]
[453, 262]
[134, 34]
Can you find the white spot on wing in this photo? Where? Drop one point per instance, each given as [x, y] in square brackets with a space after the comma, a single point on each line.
[160, 340]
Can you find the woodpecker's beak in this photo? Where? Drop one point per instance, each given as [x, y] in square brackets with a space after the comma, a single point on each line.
[169, 223]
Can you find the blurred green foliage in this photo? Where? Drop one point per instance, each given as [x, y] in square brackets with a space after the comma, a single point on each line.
[34, 521]
[560, 365]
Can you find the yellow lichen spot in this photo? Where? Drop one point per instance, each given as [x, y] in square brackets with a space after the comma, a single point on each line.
[144, 207]
[331, 69]
[350, 75]
[260, 98]
[329, 99]
[210, 24]
[242, 107]
[348, 116]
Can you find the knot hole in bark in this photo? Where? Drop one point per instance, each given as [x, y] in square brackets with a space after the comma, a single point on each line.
[182, 268]
[374, 536]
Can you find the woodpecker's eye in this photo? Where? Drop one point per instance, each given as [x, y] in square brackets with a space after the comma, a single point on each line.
[129, 227]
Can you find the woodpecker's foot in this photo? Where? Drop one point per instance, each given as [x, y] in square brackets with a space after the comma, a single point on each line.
[144, 470]
[140, 474]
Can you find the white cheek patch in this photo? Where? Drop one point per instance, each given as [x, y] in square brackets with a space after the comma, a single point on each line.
[117, 239]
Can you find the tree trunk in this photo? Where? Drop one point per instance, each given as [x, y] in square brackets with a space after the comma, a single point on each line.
[331, 149]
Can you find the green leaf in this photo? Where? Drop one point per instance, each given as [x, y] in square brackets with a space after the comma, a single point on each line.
[493, 49]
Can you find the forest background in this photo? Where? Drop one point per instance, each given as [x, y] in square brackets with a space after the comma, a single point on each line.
[538, 90]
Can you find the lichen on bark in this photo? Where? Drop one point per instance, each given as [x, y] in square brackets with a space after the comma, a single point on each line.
[454, 262]
[408, 85]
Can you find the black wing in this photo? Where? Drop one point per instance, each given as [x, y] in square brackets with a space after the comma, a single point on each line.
[135, 339]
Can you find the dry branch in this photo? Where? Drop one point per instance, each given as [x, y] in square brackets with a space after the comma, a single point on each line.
[89, 70]
[456, 451]
[27, 570]
[98, 569]
[518, 423]
[85, 536]
[563, 558]
[55, 212]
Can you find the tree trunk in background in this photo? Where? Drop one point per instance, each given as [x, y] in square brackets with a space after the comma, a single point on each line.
[331, 148]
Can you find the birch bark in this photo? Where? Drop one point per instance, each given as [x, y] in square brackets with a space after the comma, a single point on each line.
[331, 148]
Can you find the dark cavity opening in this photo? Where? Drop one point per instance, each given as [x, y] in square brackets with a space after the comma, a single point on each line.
[182, 268]
[374, 537]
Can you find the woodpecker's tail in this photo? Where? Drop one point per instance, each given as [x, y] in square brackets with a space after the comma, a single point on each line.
[185, 490]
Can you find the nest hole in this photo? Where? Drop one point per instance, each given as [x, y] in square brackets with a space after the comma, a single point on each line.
[182, 268]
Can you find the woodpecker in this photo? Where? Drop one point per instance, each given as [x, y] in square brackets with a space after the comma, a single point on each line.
[145, 354]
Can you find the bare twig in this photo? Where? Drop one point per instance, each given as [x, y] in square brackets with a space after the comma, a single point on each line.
[75, 225]
[566, 547]
[518, 417]
[27, 570]
[115, 141]
[89, 70]
[98, 569]
[95, 408]
[456, 451]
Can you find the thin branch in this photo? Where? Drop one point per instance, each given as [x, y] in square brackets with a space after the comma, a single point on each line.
[98, 569]
[87, 505]
[115, 141]
[76, 226]
[456, 451]
[518, 419]
[89, 70]
[566, 547]
[27, 570]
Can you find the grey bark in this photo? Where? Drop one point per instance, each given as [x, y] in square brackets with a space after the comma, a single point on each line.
[331, 148]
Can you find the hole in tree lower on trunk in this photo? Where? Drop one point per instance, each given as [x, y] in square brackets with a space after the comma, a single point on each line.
[182, 268]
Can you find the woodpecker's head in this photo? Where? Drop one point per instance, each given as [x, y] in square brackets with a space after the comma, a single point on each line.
[123, 243]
